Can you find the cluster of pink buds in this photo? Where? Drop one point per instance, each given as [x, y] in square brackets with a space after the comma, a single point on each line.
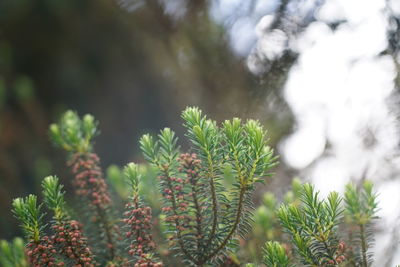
[69, 238]
[189, 163]
[139, 224]
[175, 192]
[89, 181]
[339, 255]
[341, 251]
[191, 166]
[42, 253]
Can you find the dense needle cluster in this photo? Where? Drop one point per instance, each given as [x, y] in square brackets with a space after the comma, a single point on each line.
[40, 248]
[313, 227]
[360, 214]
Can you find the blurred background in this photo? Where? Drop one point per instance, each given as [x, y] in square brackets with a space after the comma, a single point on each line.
[321, 75]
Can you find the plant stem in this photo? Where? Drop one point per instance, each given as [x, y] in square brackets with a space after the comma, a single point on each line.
[210, 177]
[330, 255]
[198, 218]
[364, 247]
[215, 210]
[234, 226]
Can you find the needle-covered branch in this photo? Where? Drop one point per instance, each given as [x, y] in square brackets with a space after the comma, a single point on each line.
[40, 248]
[68, 235]
[275, 255]
[203, 216]
[75, 135]
[313, 227]
[138, 223]
[360, 210]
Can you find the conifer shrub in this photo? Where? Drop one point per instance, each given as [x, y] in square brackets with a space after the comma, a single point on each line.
[202, 218]
[205, 200]
[336, 231]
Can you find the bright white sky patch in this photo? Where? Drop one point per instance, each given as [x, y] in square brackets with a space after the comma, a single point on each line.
[341, 83]
[243, 35]
[240, 18]
[176, 8]
[395, 6]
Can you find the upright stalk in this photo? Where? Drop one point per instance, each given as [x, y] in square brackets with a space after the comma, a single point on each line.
[201, 235]
[364, 247]
[238, 215]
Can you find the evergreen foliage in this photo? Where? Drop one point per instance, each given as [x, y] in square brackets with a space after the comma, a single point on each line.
[75, 135]
[203, 217]
[40, 248]
[206, 208]
[313, 227]
[68, 236]
[361, 207]
[28, 212]
[12, 253]
[138, 221]
[275, 255]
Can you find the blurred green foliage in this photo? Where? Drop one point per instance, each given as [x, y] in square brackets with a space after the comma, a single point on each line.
[12, 253]
[2, 93]
[266, 224]
[23, 87]
[148, 187]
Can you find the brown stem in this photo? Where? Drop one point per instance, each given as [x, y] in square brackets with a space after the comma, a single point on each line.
[234, 226]
[350, 252]
[211, 176]
[215, 210]
[331, 257]
[198, 217]
[364, 247]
